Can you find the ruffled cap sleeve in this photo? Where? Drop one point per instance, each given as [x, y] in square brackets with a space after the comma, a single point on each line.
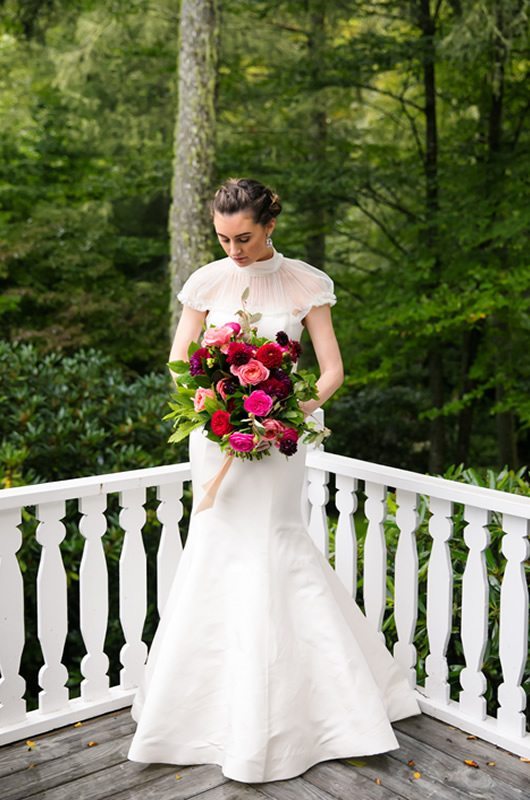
[194, 291]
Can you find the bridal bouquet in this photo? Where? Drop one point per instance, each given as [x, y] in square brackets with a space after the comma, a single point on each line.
[245, 390]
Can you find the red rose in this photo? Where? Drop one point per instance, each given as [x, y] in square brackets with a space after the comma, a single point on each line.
[270, 354]
[220, 423]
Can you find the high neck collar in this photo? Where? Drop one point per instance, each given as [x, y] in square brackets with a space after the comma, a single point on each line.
[260, 267]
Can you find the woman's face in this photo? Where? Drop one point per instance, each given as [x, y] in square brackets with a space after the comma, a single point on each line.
[241, 238]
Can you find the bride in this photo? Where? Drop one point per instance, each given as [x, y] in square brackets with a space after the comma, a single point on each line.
[262, 662]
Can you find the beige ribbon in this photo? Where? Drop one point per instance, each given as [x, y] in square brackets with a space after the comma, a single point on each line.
[212, 486]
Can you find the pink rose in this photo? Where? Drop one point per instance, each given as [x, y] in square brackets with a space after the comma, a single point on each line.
[273, 428]
[200, 396]
[236, 327]
[250, 373]
[258, 403]
[216, 337]
[242, 442]
[220, 388]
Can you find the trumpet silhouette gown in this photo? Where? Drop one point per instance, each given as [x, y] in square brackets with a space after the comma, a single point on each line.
[262, 662]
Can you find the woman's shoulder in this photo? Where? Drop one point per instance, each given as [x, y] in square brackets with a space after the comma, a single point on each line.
[197, 288]
[310, 285]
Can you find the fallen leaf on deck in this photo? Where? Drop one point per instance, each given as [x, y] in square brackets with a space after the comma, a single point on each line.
[31, 766]
[470, 763]
[378, 781]
[490, 763]
[471, 737]
[411, 763]
[416, 775]
[355, 762]
[77, 724]
[524, 759]
[91, 744]
[31, 745]
[177, 776]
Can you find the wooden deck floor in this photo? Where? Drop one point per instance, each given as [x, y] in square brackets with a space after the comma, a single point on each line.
[64, 765]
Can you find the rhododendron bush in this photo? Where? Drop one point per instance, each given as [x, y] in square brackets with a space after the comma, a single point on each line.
[245, 390]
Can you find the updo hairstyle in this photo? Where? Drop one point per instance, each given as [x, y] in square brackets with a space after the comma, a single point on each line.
[244, 194]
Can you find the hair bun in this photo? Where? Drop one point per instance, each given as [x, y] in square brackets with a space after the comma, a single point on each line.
[245, 194]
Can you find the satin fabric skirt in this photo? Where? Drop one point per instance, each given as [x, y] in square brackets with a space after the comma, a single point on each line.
[262, 662]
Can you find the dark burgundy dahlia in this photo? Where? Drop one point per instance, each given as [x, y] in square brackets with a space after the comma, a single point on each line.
[282, 338]
[287, 446]
[196, 367]
[276, 388]
[239, 353]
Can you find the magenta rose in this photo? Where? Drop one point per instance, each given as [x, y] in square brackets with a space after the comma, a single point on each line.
[216, 337]
[250, 373]
[242, 442]
[273, 429]
[258, 403]
[236, 327]
[200, 396]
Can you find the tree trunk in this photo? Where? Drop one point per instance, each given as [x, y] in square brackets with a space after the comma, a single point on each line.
[317, 133]
[470, 347]
[427, 27]
[506, 433]
[194, 148]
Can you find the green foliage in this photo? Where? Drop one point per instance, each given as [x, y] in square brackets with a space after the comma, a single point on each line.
[68, 416]
[85, 155]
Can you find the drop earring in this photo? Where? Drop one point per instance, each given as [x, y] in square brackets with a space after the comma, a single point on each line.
[268, 241]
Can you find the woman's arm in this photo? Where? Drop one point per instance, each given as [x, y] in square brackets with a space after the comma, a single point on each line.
[320, 328]
[188, 330]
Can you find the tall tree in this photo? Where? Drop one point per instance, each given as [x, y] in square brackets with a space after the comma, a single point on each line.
[189, 223]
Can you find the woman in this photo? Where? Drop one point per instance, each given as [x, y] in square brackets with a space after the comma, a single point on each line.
[262, 661]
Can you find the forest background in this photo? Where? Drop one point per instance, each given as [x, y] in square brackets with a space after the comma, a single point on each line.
[397, 134]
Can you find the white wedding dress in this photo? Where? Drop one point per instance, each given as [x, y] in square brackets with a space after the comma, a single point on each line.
[262, 662]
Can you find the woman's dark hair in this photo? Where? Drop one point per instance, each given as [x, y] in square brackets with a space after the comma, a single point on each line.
[244, 194]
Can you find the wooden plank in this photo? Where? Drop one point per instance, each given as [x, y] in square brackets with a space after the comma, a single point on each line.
[508, 767]
[232, 790]
[341, 780]
[292, 789]
[59, 771]
[102, 784]
[451, 774]
[205, 781]
[64, 742]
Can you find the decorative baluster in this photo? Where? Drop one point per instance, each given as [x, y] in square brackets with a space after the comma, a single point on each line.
[439, 599]
[474, 613]
[513, 637]
[52, 606]
[406, 583]
[345, 539]
[374, 572]
[318, 495]
[169, 513]
[133, 587]
[12, 684]
[318, 417]
[93, 597]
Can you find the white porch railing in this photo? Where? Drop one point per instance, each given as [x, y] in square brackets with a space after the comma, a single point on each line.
[352, 479]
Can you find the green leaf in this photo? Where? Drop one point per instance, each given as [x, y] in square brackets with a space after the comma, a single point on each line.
[180, 367]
